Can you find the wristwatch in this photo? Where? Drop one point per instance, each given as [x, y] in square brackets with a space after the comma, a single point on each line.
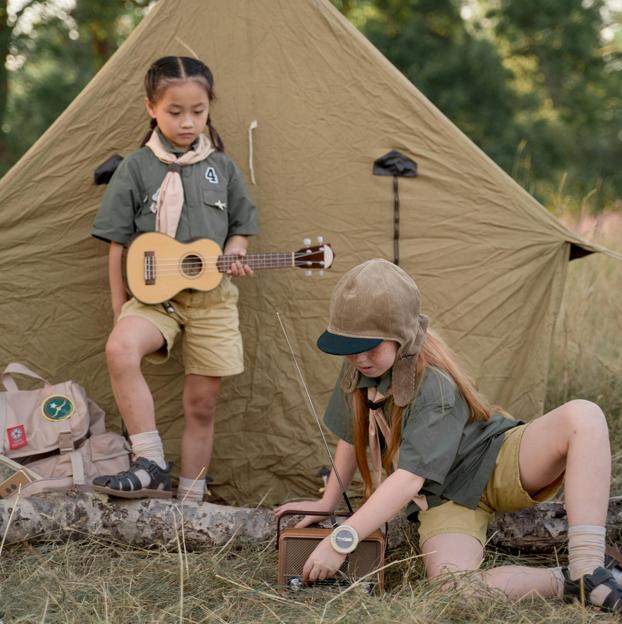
[344, 539]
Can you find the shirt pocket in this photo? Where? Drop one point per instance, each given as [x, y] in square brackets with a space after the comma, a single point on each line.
[215, 198]
[216, 211]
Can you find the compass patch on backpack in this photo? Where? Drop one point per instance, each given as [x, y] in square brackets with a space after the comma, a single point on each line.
[57, 407]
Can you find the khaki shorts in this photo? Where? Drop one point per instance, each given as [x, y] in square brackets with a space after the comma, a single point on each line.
[208, 322]
[503, 492]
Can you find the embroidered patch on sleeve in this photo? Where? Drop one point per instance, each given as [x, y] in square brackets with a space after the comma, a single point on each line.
[17, 437]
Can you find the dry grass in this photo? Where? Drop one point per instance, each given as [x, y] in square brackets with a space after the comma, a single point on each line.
[586, 359]
[97, 581]
[102, 582]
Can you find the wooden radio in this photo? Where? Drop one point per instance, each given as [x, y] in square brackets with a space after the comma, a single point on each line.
[13, 477]
[295, 546]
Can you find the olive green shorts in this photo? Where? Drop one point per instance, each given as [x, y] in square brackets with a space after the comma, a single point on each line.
[208, 322]
[503, 492]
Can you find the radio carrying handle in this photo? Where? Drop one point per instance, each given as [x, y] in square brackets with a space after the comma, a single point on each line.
[327, 514]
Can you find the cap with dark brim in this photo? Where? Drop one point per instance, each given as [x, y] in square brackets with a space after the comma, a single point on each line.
[345, 345]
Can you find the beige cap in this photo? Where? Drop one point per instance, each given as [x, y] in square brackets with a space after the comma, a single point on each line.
[377, 301]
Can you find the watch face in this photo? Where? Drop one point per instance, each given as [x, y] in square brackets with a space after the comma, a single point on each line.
[344, 539]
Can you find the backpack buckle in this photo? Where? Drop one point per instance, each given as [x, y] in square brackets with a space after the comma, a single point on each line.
[65, 442]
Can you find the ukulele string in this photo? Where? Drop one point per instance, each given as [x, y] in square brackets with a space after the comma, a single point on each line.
[277, 257]
[172, 266]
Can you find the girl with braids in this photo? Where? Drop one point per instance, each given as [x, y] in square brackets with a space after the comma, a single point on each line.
[179, 182]
[451, 459]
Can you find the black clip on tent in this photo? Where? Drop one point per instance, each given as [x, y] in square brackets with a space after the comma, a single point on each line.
[395, 164]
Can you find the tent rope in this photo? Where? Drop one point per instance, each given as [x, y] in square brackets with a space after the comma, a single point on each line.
[251, 127]
[314, 412]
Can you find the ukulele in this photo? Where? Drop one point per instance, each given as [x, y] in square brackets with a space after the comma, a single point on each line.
[157, 266]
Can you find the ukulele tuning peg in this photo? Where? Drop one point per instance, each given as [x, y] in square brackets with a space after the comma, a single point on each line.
[320, 240]
[306, 242]
[308, 272]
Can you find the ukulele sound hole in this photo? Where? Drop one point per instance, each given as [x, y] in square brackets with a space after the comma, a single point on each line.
[192, 265]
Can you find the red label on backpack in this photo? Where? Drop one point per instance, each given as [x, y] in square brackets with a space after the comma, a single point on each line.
[17, 437]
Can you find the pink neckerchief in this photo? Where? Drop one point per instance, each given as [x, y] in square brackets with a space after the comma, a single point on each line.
[171, 194]
[377, 422]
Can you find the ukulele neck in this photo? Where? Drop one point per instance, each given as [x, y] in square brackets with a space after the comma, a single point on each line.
[278, 260]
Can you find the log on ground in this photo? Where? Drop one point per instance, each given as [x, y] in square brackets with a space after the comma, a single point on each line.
[156, 522]
[543, 528]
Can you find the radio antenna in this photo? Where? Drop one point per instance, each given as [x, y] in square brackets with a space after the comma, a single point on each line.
[314, 412]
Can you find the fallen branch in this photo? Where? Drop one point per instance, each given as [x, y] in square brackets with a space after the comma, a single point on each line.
[145, 522]
[543, 528]
[148, 522]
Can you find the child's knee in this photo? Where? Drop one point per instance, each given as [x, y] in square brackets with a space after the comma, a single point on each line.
[200, 410]
[585, 416]
[436, 566]
[120, 353]
[451, 553]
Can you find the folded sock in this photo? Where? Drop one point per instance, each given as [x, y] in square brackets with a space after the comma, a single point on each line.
[586, 549]
[149, 446]
[190, 490]
[586, 552]
[559, 579]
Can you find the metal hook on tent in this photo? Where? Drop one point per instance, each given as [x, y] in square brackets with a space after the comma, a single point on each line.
[397, 165]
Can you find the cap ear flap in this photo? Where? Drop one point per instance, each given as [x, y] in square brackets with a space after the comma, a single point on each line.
[349, 378]
[403, 383]
[421, 332]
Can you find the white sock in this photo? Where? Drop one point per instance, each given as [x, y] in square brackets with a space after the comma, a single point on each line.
[149, 446]
[586, 549]
[586, 552]
[190, 490]
[558, 575]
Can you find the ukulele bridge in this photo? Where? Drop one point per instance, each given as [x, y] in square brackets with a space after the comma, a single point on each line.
[149, 268]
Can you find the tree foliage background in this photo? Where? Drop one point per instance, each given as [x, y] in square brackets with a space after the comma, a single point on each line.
[537, 85]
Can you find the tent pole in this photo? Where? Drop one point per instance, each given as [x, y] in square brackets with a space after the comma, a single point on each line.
[396, 222]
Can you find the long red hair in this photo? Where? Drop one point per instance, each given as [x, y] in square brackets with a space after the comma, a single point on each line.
[434, 352]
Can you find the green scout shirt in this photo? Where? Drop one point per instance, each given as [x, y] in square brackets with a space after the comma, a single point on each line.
[454, 456]
[216, 205]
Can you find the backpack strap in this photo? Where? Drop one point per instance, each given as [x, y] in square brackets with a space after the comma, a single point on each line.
[16, 368]
[3, 422]
[77, 467]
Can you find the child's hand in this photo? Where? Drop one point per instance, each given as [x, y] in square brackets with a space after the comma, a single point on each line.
[323, 562]
[239, 268]
[311, 505]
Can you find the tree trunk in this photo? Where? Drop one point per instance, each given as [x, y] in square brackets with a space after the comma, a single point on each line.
[5, 37]
[147, 522]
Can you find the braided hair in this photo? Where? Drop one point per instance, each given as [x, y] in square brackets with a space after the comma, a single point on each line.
[170, 69]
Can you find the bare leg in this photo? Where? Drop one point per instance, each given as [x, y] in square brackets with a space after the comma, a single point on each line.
[131, 339]
[451, 552]
[574, 438]
[571, 438]
[200, 397]
[455, 552]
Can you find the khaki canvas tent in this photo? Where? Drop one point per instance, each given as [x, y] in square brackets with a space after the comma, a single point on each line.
[491, 262]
